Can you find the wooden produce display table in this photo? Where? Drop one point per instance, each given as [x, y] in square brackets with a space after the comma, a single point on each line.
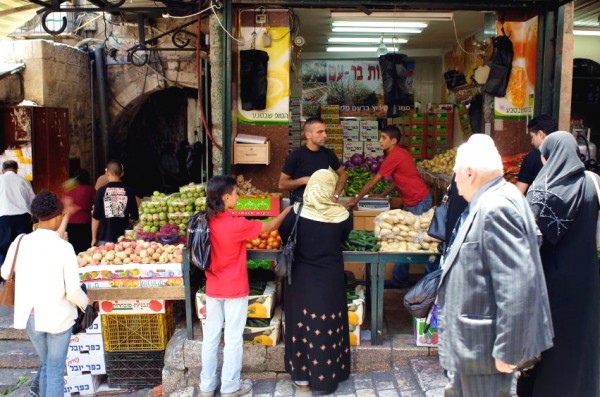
[375, 262]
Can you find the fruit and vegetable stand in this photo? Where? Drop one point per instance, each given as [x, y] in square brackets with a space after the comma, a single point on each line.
[376, 262]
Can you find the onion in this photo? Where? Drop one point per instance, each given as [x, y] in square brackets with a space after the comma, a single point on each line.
[374, 167]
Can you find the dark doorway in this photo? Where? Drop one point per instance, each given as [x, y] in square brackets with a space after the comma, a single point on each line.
[161, 122]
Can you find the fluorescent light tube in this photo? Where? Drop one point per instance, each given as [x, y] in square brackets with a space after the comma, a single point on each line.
[365, 40]
[423, 16]
[374, 30]
[379, 24]
[581, 31]
[356, 49]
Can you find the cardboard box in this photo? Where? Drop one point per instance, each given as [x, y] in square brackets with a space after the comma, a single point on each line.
[265, 336]
[250, 153]
[258, 207]
[161, 282]
[369, 130]
[354, 335]
[357, 306]
[351, 129]
[132, 306]
[372, 149]
[95, 327]
[86, 343]
[157, 270]
[84, 385]
[119, 283]
[78, 364]
[110, 272]
[364, 220]
[259, 306]
[429, 339]
[351, 148]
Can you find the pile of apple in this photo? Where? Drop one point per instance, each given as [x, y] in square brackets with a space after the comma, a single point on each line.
[266, 241]
[126, 252]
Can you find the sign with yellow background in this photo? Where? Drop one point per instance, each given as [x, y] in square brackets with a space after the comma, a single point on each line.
[518, 102]
[278, 76]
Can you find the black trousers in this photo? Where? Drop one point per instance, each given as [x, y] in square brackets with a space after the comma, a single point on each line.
[10, 227]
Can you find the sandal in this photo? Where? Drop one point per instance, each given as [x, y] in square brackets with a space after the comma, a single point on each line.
[300, 387]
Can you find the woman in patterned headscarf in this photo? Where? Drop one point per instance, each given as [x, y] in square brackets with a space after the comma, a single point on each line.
[565, 204]
[317, 340]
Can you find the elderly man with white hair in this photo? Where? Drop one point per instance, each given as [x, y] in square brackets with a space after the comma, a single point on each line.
[493, 310]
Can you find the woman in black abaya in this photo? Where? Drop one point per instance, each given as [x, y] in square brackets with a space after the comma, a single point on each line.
[565, 204]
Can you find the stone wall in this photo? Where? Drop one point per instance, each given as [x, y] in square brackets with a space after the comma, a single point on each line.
[57, 75]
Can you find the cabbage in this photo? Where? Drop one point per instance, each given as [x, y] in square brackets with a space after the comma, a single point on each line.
[357, 159]
[348, 164]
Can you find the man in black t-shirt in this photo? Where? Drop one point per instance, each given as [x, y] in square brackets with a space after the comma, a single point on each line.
[115, 207]
[539, 128]
[304, 161]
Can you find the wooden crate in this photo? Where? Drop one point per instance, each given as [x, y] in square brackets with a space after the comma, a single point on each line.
[249, 153]
[365, 220]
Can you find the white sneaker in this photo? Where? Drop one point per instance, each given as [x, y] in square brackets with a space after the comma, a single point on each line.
[245, 388]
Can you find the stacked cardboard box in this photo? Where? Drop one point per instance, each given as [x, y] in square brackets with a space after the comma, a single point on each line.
[85, 363]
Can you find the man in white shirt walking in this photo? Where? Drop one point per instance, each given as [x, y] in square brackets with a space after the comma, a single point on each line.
[16, 196]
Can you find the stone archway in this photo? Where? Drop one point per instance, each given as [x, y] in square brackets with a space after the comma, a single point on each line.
[148, 111]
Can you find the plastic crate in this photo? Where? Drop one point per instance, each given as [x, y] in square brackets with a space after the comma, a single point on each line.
[135, 368]
[135, 332]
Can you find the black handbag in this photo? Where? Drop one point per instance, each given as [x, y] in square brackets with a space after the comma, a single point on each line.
[85, 318]
[421, 297]
[285, 259]
[437, 227]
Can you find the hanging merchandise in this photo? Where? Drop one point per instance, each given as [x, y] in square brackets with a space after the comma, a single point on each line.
[253, 79]
[476, 113]
[394, 72]
[454, 78]
[501, 66]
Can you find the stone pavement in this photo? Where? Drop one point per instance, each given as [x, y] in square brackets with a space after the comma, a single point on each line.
[413, 374]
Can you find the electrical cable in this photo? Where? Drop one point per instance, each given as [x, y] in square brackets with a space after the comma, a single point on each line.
[188, 16]
[460, 46]
[212, 7]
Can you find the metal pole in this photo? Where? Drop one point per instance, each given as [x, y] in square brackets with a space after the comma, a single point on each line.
[227, 96]
[101, 79]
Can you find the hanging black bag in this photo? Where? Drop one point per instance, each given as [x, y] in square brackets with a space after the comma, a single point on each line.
[501, 66]
[454, 78]
[394, 72]
[285, 259]
[253, 79]
[198, 241]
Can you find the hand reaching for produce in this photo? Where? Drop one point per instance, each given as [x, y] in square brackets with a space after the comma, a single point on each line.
[351, 203]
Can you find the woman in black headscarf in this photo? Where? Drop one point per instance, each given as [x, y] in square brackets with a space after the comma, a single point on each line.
[565, 205]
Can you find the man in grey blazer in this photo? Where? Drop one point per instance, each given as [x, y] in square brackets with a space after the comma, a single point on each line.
[493, 310]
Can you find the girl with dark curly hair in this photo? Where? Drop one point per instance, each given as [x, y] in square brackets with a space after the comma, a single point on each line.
[47, 290]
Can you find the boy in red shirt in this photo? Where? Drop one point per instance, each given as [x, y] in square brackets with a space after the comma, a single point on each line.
[227, 287]
[415, 195]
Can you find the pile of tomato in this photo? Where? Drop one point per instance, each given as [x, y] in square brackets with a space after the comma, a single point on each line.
[266, 241]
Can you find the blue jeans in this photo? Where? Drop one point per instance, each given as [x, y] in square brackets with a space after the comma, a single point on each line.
[233, 313]
[52, 350]
[400, 273]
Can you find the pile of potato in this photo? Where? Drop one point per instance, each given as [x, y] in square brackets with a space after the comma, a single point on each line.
[401, 231]
[441, 163]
